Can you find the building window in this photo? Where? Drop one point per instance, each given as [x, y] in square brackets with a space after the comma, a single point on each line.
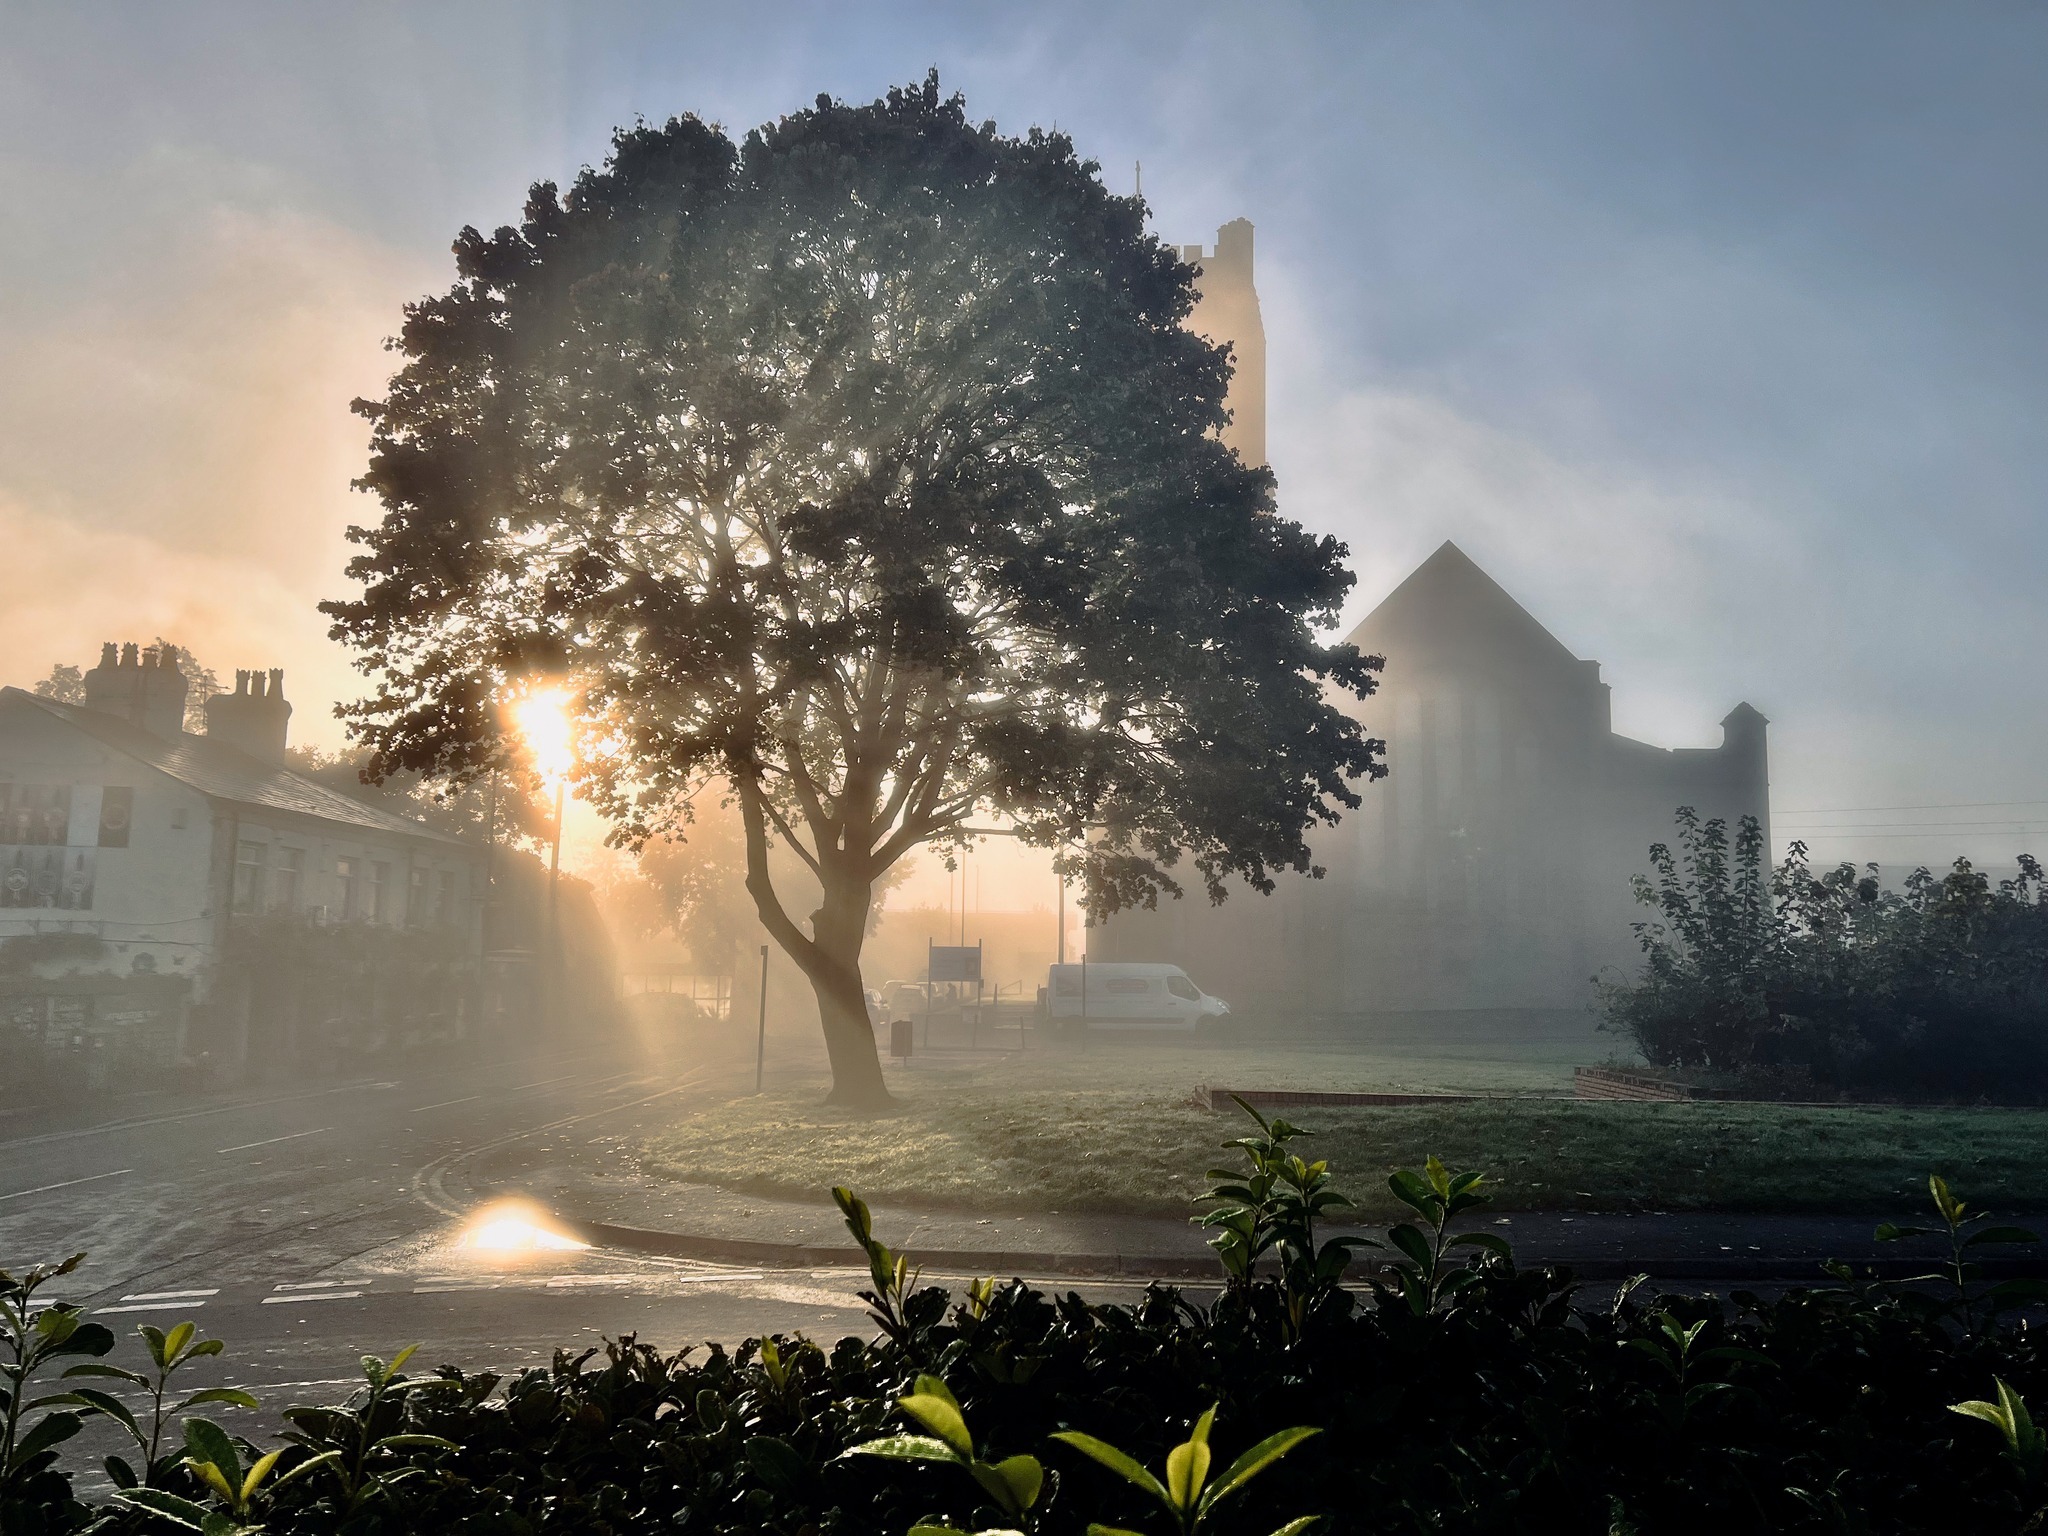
[415, 898]
[286, 876]
[377, 908]
[347, 875]
[444, 902]
[248, 875]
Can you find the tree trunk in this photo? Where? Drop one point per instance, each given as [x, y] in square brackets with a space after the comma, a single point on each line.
[838, 928]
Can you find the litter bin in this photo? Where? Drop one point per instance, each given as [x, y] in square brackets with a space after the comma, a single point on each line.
[899, 1038]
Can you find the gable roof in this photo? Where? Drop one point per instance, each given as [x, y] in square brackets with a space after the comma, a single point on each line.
[222, 772]
[1449, 603]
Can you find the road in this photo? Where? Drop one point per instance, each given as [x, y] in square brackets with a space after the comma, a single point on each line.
[307, 1227]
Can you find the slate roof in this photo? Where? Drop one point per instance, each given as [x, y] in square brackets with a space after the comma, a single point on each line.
[222, 772]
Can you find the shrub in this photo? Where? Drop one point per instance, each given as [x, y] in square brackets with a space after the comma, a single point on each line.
[1806, 982]
[1455, 1397]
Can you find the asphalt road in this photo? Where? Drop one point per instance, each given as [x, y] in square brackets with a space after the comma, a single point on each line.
[306, 1228]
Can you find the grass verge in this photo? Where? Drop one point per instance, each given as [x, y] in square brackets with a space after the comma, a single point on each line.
[1114, 1133]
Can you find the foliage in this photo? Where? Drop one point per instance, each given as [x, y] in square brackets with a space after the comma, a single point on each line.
[1504, 1406]
[65, 684]
[1186, 1492]
[1804, 981]
[868, 468]
[1276, 1206]
[169, 1353]
[1425, 1275]
[33, 1334]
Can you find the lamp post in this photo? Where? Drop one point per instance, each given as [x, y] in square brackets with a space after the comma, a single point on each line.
[554, 984]
[761, 1033]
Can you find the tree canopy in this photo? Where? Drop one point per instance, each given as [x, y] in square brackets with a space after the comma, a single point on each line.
[866, 469]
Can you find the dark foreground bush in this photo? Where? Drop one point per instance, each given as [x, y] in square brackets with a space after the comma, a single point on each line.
[1456, 1393]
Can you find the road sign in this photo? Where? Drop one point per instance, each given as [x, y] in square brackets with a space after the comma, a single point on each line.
[955, 962]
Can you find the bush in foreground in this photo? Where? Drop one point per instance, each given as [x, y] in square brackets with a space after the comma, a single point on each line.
[1453, 1392]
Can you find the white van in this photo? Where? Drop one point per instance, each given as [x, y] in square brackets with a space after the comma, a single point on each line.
[1137, 995]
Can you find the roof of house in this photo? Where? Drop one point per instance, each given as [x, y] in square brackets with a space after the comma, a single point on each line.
[222, 772]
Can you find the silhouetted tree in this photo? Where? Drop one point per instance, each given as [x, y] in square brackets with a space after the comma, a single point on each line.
[869, 467]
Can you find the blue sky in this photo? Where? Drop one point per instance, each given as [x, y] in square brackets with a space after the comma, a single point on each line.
[1716, 332]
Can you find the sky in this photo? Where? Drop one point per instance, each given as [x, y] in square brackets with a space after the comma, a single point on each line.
[1714, 331]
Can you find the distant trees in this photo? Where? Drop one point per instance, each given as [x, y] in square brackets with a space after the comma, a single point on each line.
[867, 468]
[1804, 979]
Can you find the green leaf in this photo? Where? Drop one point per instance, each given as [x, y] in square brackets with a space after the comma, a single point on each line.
[206, 1441]
[51, 1429]
[1892, 1232]
[414, 1442]
[1296, 1527]
[1025, 1477]
[937, 1411]
[324, 1459]
[777, 1464]
[257, 1473]
[169, 1505]
[176, 1340]
[112, 1407]
[1491, 1242]
[1255, 1461]
[1117, 1462]
[232, 1396]
[1096, 1529]
[2001, 1235]
[907, 1448]
[1187, 1469]
[112, 1371]
[398, 1360]
[1409, 1189]
[1412, 1243]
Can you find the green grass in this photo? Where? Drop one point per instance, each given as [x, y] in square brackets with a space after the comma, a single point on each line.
[1116, 1130]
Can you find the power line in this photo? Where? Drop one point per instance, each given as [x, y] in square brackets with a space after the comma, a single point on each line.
[1972, 805]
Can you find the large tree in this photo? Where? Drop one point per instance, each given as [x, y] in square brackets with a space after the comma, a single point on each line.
[868, 468]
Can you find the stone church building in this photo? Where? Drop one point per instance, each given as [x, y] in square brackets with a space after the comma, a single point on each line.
[1491, 868]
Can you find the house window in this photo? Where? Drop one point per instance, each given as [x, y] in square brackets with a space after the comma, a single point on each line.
[378, 906]
[444, 901]
[248, 875]
[347, 876]
[286, 876]
[415, 898]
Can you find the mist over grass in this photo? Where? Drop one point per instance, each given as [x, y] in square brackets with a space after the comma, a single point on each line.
[1116, 1130]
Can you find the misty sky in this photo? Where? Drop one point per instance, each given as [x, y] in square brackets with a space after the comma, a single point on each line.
[1715, 332]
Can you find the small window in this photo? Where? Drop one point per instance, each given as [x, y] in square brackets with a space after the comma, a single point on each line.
[1126, 986]
[347, 876]
[286, 876]
[378, 907]
[444, 900]
[1180, 986]
[416, 913]
[248, 875]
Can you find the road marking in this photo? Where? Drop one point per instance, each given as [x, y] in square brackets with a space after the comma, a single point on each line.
[744, 1274]
[563, 1282]
[314, 1285]
[460, 1285]
[169, 1295]
[148, 1306]
[446, 1103]
[274, 1140]
[271, 1301]
[544, 1082]
[44, 1189]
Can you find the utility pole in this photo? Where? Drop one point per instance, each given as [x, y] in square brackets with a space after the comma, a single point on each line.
[554, 961]
[761, 1035]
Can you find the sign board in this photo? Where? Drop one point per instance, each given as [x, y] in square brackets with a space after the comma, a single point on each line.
[955, 962]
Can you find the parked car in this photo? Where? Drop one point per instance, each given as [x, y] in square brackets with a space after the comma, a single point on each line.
[1137, 994]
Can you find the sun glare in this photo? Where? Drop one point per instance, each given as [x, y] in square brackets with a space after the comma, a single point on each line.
[515, 1226]
[543, 720]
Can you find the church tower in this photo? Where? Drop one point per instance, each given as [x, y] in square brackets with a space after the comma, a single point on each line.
[1228, 313]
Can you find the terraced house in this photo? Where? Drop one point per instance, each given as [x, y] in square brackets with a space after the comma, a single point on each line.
[184, 903]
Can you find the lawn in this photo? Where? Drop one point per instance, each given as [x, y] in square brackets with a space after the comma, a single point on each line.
[1116, 1129]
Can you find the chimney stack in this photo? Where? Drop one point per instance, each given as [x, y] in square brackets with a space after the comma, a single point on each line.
[254, 718]
[146, 687]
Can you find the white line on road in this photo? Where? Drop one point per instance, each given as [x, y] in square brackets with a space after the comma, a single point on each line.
[313, 1285]
[169, 1295]
[147, 1306]
[274, 1140]
[43, 1189]
[447, 1103]
[272, 1301]
[544, 1082]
